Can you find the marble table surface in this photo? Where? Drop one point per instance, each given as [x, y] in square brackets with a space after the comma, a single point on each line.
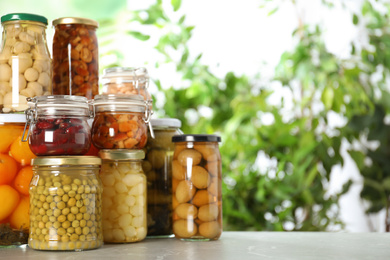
[232, 245]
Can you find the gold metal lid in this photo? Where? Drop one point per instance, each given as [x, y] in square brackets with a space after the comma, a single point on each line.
[82, 160]
[122, 154]
[75, 20]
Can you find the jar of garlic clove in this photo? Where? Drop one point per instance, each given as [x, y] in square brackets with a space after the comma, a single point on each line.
[124, 196]
[25, 64]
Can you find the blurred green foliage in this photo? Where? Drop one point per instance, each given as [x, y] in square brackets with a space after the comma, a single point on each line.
[277, 171]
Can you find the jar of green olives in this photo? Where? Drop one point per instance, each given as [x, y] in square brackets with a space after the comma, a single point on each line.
[65, 203]
[124, 195]
[158, 169]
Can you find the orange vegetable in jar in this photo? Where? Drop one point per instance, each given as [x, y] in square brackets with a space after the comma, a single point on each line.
[20, 217]
[23, 179]
[9, 199]
[8, 169]
[11, 132]
[21, 152]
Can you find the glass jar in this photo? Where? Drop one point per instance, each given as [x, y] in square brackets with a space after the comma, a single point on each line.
[158, 169]
[124, 196]
[65, 203]
[25, 64]
[16, 174]
[128, 81]
[75, 57]
[196, 185]
[59, 125]
[120, 122]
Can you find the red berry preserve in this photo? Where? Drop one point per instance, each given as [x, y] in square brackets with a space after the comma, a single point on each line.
[58, 125]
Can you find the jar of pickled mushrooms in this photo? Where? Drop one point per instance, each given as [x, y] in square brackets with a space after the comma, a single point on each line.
[25, 64]
[75, 57]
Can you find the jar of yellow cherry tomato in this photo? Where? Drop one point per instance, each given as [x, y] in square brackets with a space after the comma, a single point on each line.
[15, 177]
[65, 203]
[196, 186]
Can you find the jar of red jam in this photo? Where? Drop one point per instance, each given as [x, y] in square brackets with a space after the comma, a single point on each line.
[75, 57]
[120, 121]
[58, 125]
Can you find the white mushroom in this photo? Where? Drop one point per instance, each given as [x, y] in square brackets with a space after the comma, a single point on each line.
[44, 79]
[25, 37]
[22, 82]
[36, 88]
[33, 30]
[21, 47]
[19, 106]
[5, 72]
[28, 92]
[31, 74]
[24, 59]
[13, 31]
[5, 88]
[5, 54]
[10, 42]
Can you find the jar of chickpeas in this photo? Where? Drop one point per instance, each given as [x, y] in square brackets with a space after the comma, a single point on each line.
[196, 185]
[65, 203]
[124, 196]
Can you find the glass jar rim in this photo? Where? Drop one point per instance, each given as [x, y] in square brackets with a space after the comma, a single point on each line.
[121, 154]
[12, 118]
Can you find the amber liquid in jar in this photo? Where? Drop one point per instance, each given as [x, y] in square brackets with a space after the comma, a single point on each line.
[75, 57]
[196, 185]
[116, 130]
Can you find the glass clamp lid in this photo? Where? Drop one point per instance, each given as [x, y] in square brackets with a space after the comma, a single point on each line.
[55, 105]
[123, 103]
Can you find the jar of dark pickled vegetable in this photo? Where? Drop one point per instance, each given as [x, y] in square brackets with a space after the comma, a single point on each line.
[58, 125]
[75, 57]
[158, 169]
